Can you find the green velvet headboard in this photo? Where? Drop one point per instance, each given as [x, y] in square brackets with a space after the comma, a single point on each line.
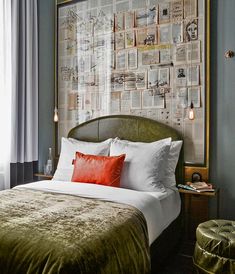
[133, 128]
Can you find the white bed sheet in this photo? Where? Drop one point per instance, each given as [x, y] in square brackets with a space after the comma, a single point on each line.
[159, 209]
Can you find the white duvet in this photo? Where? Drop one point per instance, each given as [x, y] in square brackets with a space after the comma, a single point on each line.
[159, 209]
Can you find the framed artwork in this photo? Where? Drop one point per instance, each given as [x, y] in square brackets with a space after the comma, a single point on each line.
[135, 57]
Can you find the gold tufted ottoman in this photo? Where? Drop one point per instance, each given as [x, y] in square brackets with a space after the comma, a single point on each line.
[215, 247]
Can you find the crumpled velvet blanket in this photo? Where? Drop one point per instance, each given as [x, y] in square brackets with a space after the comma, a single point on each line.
[42, 232]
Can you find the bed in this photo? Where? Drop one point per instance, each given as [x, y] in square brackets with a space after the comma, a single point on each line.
[64, 227]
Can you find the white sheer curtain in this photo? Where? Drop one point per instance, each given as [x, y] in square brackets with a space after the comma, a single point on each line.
[5, 92]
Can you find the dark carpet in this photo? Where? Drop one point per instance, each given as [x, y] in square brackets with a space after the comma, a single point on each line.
[181, 262]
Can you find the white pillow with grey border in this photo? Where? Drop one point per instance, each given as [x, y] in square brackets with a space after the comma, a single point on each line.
[69, 147]
[144, 165]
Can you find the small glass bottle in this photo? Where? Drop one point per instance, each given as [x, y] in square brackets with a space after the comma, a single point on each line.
[49, 165]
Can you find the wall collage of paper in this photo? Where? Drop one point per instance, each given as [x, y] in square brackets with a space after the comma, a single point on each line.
[138, 57]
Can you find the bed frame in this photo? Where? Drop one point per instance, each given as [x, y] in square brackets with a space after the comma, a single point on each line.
[138, 129]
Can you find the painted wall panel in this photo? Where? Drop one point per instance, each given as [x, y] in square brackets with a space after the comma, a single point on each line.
[46, 78]
[222, 145]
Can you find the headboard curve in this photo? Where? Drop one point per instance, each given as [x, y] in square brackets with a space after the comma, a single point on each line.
[128, 127]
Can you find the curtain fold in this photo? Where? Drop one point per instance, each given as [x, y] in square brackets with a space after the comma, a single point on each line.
[24, 138]
[18, 91]
[24, 142]
[5, 92]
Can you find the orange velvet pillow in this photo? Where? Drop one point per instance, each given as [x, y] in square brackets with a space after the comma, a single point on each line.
[103, 170]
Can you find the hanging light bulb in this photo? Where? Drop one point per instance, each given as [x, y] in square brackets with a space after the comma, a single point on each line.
[191, 113]
[56, 116]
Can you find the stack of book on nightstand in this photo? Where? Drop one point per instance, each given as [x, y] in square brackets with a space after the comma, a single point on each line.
[197, 186]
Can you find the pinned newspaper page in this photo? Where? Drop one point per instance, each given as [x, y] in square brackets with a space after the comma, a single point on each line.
[129, 18]
[125, 102]
[190, 8]
[152, 16]
[177, 10]
[120, 40]
[121, 60]
[194, 52]
[141, 18]
[153, 79]
[146, 36]
[158, 101]
[130, 39]
[130, 81]
[164, 77]
[132, 58]
[147, 99]
[141, 79]
[177, 33]
[135, 99]
[166, 56]
[119, 21]
[117, 81]
[152, 100]
[141, 35]
[115, 102]
[181, 76]
[194, 96]
[149, 56]
[182, 97]
[164, 34]
[164, 12]
[191, 30]
[151, 38]
[193, 75]
[180, 54]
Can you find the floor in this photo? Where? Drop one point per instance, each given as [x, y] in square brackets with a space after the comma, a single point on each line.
[181, 263]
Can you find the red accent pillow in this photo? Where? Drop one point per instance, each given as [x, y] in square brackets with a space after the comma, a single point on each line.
[103, 170]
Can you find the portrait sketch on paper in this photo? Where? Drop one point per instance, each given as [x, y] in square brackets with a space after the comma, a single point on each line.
[191, 30]
[181, 76]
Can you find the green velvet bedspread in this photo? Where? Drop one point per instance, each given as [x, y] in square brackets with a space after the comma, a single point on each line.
[42, 232]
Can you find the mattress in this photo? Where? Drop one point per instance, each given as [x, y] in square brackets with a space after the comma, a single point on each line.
[159, 209]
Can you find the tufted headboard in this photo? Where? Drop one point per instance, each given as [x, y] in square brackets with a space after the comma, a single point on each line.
[132, 128]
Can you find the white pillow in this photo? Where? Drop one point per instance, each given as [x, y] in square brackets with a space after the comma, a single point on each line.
[144, 163]
[69, 146]
[173, 157]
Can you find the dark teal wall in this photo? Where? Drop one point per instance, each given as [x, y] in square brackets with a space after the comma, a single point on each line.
[46, 13]
[222, 144]
[222, 141]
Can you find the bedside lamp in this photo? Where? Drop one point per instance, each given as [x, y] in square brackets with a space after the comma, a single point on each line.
[191, 113]
[56, 116]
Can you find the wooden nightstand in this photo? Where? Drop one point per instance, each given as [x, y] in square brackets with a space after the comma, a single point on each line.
[195, 207]
[42, 176]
